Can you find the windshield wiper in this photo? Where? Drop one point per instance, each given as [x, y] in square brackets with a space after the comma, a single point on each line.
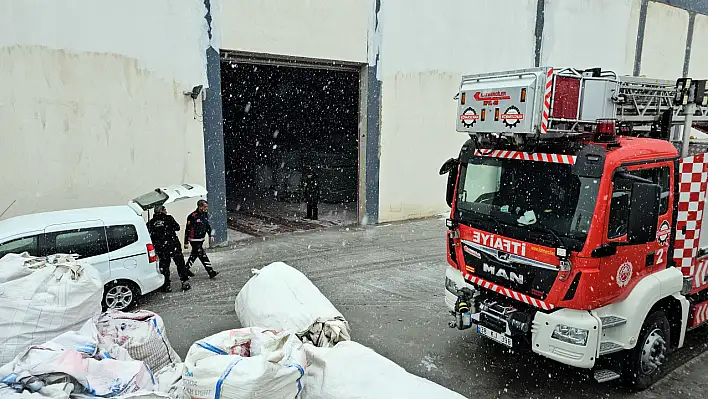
[543, 229]
[481, 217]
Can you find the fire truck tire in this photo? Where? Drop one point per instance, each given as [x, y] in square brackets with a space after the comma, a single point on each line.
[645, 364]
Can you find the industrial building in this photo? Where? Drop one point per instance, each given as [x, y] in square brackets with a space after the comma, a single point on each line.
[97, 111]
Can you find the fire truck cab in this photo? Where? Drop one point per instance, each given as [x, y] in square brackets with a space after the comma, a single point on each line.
[576, 217]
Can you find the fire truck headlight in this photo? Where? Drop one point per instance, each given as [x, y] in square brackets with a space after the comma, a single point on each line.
[450, 286]
[571, 335]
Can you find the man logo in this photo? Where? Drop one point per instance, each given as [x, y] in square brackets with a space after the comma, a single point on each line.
[499, 272]
[504, 256]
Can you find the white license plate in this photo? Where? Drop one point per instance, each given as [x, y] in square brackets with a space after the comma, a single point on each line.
[493, 335]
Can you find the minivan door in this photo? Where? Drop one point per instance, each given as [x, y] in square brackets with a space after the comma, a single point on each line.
[123, 251]
[86, 239]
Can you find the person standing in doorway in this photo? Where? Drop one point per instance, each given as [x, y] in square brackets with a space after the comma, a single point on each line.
[312, 193]
[197, 228]
[163, 230]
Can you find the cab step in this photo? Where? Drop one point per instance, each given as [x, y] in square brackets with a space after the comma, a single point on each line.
[605, 375]
[607, 347]
[612, 321]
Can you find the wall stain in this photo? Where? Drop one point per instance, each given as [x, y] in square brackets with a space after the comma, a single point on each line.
[108, 128]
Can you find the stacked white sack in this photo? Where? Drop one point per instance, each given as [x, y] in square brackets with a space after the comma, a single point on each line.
[169, 381]
[142, 334]
[63, 391]
[54, 391]
[244, 364]
[41, 298]
[93, 368]
[282, 298]
[353, 371]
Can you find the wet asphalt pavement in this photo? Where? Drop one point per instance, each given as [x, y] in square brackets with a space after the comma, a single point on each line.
[388, 282]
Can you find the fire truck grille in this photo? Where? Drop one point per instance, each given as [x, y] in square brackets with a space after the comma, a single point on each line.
[526, 279]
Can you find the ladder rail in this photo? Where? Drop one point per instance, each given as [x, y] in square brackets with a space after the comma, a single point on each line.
[643, 100]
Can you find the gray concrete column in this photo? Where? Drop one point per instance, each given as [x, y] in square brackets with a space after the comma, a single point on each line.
[214, 141]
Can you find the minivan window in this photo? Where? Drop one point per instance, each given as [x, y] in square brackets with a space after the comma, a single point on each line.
[84, 242]
[121, 236]
[20, 245]
[151, 199]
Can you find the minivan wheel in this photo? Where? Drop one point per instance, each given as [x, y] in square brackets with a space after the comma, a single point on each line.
[119, 295]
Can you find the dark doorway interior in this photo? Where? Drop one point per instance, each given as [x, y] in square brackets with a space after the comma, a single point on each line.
[278, 121]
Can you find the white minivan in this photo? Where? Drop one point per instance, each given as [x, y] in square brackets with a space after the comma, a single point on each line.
[114, 239]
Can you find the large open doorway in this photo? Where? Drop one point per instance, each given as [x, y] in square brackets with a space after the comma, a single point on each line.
[285, 125]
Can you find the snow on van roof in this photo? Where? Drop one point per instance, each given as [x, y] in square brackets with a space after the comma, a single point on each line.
[39, 221]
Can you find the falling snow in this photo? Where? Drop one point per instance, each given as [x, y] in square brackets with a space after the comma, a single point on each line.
[281, 123]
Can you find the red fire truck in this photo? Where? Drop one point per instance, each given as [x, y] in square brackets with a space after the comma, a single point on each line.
[577, 208]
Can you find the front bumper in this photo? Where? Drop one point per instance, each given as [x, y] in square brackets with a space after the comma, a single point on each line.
[542, 328]
[564, 352]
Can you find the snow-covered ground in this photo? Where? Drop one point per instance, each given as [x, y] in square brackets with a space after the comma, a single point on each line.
[265, 217]
[388, 282]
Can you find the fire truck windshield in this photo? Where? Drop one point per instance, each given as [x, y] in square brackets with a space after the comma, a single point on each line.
[520, 195]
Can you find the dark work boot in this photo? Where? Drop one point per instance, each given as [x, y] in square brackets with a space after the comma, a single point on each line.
[167, 287]
[186, 286]
[213, 273]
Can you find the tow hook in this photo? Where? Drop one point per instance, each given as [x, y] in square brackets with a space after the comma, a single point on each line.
[462, 313]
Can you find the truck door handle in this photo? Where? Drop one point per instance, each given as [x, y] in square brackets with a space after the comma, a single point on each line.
[650, 259]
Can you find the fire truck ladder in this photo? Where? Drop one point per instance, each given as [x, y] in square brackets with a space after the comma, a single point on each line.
[643, 101]
[639, 102]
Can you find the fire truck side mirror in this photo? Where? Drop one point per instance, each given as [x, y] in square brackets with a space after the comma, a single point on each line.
[643, 213]
[450, 167]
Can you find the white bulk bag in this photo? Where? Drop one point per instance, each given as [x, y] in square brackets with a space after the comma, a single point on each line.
[141, 333]
[169, 381]
[282, 298]
[140, 394]
[53, 391]
[41, 298]
[353, 371]
[77, 354]
[244, 364]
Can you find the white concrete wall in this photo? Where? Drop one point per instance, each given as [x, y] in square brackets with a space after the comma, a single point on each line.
[426, 45]
[92, 108]
[698, 67]
[93, 112]
[582, 33]
[665, 36]
[320, 29]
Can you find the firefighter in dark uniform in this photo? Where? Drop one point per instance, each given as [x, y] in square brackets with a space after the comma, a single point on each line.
[312, 192]
[163, 230]
[197, 227]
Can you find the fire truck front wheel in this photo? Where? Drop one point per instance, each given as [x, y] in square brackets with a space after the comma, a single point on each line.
[647, 359]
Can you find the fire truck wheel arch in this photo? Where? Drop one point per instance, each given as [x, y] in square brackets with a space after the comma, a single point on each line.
[659, 290]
